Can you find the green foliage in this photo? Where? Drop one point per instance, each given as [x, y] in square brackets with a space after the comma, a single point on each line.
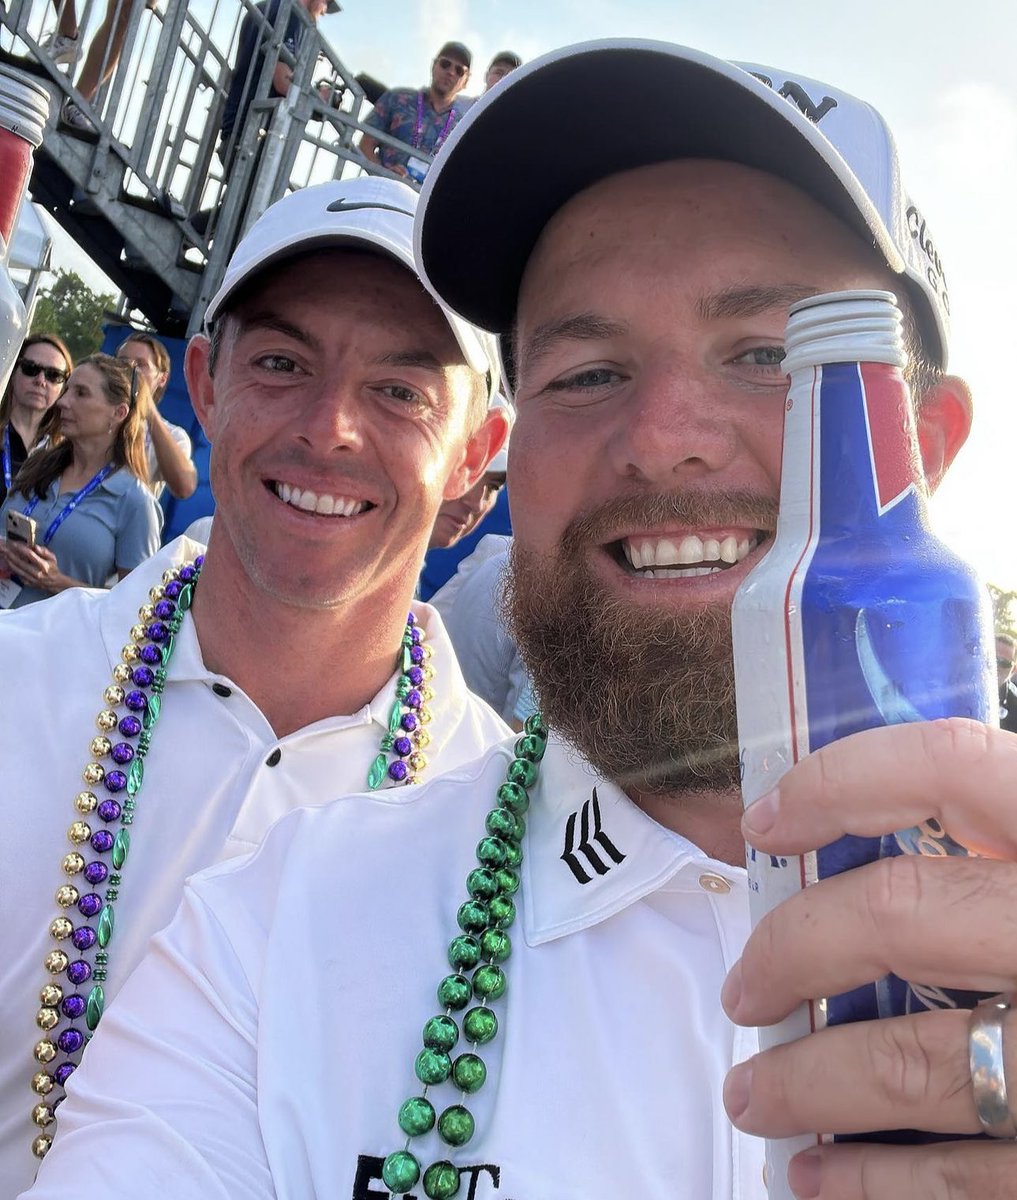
[1004, 609]
[71, 309]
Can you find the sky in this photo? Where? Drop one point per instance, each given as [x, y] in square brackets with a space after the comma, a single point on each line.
[941, 74]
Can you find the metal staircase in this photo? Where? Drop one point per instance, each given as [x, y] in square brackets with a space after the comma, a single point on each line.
[146, 195]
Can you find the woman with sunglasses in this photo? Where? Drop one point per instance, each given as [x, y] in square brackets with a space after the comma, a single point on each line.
[40, 372]
[87, 493]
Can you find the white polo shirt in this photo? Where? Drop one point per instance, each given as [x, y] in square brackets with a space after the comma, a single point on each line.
[264, 1046]
[216, 778]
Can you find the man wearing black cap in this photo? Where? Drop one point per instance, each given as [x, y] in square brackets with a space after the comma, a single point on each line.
[421, 117]
[538, 982]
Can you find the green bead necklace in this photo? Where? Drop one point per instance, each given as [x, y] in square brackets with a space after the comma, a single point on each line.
[481, 948]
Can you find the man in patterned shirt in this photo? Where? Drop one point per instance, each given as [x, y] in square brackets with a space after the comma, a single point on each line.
[422, 118]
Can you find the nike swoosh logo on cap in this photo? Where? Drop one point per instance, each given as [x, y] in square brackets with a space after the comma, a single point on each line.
[342, 205]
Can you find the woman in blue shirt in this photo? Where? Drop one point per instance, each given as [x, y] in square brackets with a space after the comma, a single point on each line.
[95, 517]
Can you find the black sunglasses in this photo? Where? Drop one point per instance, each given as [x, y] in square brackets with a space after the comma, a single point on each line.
[451, 64]
[1004, 662]
[51, 374]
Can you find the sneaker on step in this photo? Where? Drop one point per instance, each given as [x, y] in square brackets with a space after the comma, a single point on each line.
[61, 48]
[74, 118]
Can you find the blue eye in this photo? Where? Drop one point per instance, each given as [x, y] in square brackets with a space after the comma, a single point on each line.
[591, 377]
[762, 356]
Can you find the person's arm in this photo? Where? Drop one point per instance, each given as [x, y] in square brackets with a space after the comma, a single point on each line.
[946, 921]
[139, 525]
[173, 457]
[166, 1095]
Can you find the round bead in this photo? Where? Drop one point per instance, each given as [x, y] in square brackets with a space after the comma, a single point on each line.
[400, 1172]
[469, 1073]
[472, 916]
[138, 632]
[408, 721]
[136, 700]
[121, 673]
[115, 781]
[93, 774]
[480, 1025]
[414, 698]
[502, 823]
[503, 911]
[106, 720]
[418, 762]
[42, 1084]
[71, 1041]
[534, 723]
[113, 695]
[100, 746]
[72, 863]
[421, 739]
[42, 1115]
[187, 574]
[454, 992]
[56, 962]
[415, 675]
[441, 1179]
[522, 771]
[46, 1018]
[130, 726]
[402, 746]
[146, 612]
[426, 716]
[41, 1145]
[44, 1051]
[90, 904]
[85, 802]
[456, 1125]
[79, 971]
[173, 588]
[73, 1007]
[51, 994]
[416, 655]
[492, 852]
[441, 1033]
[482, 884]
[513, 797]
[158, 632]
[151, 655]
[427, 693]
[495, 946]
[398, 770]
[531, 746]
[63, 1072]
[96, 872]
[432, 1066]
[508, 880]
[143, 676]
[79, 832]
[122, 753]
[464, 952]
[61, 928]
[489, 982]
[416, 1116]
[83, 938]
[68, 894]
[102, 841]
[130, 653]
[155, 594]
[109, 810]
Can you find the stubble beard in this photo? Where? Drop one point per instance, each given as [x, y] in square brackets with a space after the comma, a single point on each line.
[647, 695]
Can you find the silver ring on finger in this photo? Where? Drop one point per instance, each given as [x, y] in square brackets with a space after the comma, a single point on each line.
[988, 1073]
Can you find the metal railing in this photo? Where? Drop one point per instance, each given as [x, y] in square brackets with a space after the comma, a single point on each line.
[146, 192]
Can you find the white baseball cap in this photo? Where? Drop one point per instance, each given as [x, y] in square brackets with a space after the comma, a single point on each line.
[369, 212]
[670, 102]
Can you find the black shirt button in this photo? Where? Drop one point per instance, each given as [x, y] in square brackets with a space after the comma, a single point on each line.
[221, 689]
[273, 758]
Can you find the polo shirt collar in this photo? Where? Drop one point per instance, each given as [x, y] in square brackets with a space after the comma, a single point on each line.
[590, 851]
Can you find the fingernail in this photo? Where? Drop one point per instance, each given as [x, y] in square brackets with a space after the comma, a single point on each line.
[736, 1089]
[731, 992]
[761, 815]
[803, 1174]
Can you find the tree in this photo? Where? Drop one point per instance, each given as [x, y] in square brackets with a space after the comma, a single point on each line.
[1004, 609]
[71, 309]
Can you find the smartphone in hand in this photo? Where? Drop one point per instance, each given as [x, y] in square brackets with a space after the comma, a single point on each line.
[20, 528]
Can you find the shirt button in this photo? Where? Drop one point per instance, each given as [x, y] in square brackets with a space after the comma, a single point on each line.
[273, 758]
[714, 883]
[221, 689]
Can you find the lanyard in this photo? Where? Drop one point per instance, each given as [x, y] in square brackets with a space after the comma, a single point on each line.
[7, 457]
[418, 128]
[71, 504]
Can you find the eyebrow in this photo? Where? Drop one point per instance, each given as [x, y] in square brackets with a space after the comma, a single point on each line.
[412, 358]
[751, 301]
[587, 327]
[268, 320]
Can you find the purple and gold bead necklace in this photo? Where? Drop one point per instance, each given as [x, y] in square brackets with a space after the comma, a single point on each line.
[475, 955]
[132, 704]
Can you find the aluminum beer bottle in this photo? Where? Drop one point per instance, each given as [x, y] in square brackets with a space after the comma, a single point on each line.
[857, 617]
[24, 107]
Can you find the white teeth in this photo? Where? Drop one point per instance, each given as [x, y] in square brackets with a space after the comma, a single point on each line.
[729, 550]
[711, 550]
[690, 550]
[743, 548]
[326, 505]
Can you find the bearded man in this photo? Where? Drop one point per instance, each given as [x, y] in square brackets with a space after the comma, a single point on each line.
[583, 1044]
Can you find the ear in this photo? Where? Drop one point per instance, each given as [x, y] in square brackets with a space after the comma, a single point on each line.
[482, 446]
[944, 422]
[120, 413]
[199, 382]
